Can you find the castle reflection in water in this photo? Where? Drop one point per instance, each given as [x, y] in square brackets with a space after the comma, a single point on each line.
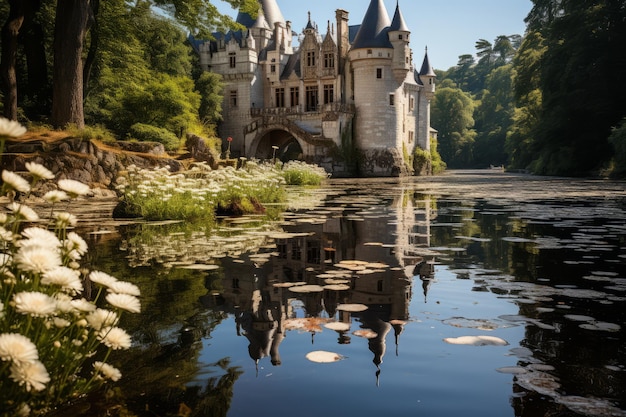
[390, 244]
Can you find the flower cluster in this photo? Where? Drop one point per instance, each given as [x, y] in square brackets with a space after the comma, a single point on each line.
[50, 333]
[196, 193]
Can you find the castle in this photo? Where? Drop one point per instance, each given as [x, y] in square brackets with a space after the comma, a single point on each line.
[349, 100]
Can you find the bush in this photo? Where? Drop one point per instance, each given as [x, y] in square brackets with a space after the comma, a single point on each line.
[300, 173]
[149, 133]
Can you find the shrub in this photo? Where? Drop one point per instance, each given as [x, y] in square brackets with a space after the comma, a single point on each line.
[300, 173]
[149, 133]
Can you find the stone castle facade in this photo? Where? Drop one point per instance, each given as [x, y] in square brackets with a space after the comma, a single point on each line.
[348, 99]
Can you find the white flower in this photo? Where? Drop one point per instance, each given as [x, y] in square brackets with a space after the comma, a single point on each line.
[114, 337]
[76, 243]
[17, 348]
[24, 212]
[1, 310]
[39, 171]
[55, 196]
[61, 323]
[40, 237]
[31, 374]
[102, 278]
[23, 410]
[102, 318]
[123, 287]
[107, 371]
[124, 301]
[65, 219]
[37, 258]
[74, 188]
[83, 305]
[34, 303]
[64, 277]
[11, 128]
[14, 181]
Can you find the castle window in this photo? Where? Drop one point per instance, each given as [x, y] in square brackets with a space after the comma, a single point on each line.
[411, 104]
[295, 96]
[311, 98]
[296, 250]
[379, 285]
[233, 59]
[369, 52]
[280, 97]
[411, 136]
[379, 73]
[329, 60]
[400, 36]
[272, 69]
[313, 252]
[329, 93]
[392, 99]
[233, 98]
[310, 59]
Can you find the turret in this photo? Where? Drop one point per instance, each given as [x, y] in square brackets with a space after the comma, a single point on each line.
[427, 76]
[399, 36]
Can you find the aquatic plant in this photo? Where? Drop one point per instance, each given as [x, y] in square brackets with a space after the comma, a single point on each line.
[54, 341]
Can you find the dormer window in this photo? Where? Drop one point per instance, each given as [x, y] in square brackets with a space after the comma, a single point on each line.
[310, 59]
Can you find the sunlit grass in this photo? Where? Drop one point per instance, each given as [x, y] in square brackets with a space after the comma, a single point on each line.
[300, 173]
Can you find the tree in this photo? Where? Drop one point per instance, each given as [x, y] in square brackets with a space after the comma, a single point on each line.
[452, 111]
[10, 32]
[209, 86]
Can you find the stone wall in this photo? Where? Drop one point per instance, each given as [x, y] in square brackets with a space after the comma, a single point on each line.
[90, 162]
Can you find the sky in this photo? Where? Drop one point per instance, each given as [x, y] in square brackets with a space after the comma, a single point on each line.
[449, 28]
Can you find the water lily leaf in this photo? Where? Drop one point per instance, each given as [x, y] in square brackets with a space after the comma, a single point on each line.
[353, 308]
[476, 341]
[306, 288]
[365, 333]
[338, 326]
[322, 356]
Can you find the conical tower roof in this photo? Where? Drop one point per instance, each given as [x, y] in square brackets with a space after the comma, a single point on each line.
[374, 29]
[271, 12]
[398, 23]
[427, 69]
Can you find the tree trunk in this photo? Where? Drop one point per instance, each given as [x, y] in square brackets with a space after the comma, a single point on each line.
[37, 87]
[93, 46]
[10, 31]
[71, 22]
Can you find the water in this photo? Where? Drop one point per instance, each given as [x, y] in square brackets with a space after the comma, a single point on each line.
[536, 264]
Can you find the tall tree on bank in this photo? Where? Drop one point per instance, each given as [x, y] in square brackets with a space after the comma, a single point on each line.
[10, 32]
[72, 21]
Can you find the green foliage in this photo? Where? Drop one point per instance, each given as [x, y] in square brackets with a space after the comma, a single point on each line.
[210, 87]
[438, 166]
[452, 114]
[149, 133]
[91, 132]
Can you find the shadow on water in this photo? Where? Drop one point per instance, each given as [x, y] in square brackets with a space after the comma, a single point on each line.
[380, 274]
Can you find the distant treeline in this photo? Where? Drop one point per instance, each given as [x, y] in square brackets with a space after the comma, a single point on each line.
[552, 102]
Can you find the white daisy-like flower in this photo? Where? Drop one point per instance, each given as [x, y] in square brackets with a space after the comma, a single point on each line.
[64, 277]
[65, 219]
[73, 188]
[61, 322]
[115, 338]
[15, 182]
[125, 302]
[55, 196]
[39, 171]
[33, 375]
[23, 410]
[102, 278]
[5, 259]
[38, 259]
[83, 305]
[1, 310]
[17, 348]
[34, 303]
[102, 318]
[64, 303]
[5, 235]
[107, 371]
[11, 128]
[3, 218]
[39, 237]
[76, 243]
[23, 212]
[123, 287]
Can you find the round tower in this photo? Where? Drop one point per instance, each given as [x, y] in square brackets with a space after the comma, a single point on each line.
[399, 36]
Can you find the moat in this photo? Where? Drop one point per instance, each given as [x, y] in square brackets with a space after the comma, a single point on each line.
[475, 293]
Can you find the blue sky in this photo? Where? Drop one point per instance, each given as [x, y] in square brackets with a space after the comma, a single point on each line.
[448, 28]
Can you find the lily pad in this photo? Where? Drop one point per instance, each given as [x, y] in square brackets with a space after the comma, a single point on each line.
[353, 308]
[476, 341]
[338, 326]
[323, 356]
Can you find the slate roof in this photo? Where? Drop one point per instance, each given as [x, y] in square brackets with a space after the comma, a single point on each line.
[427, 69]
[373, 32]
[271, 12]
[398, 22]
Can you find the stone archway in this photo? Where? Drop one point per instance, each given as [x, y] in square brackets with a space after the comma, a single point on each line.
[288, 146]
